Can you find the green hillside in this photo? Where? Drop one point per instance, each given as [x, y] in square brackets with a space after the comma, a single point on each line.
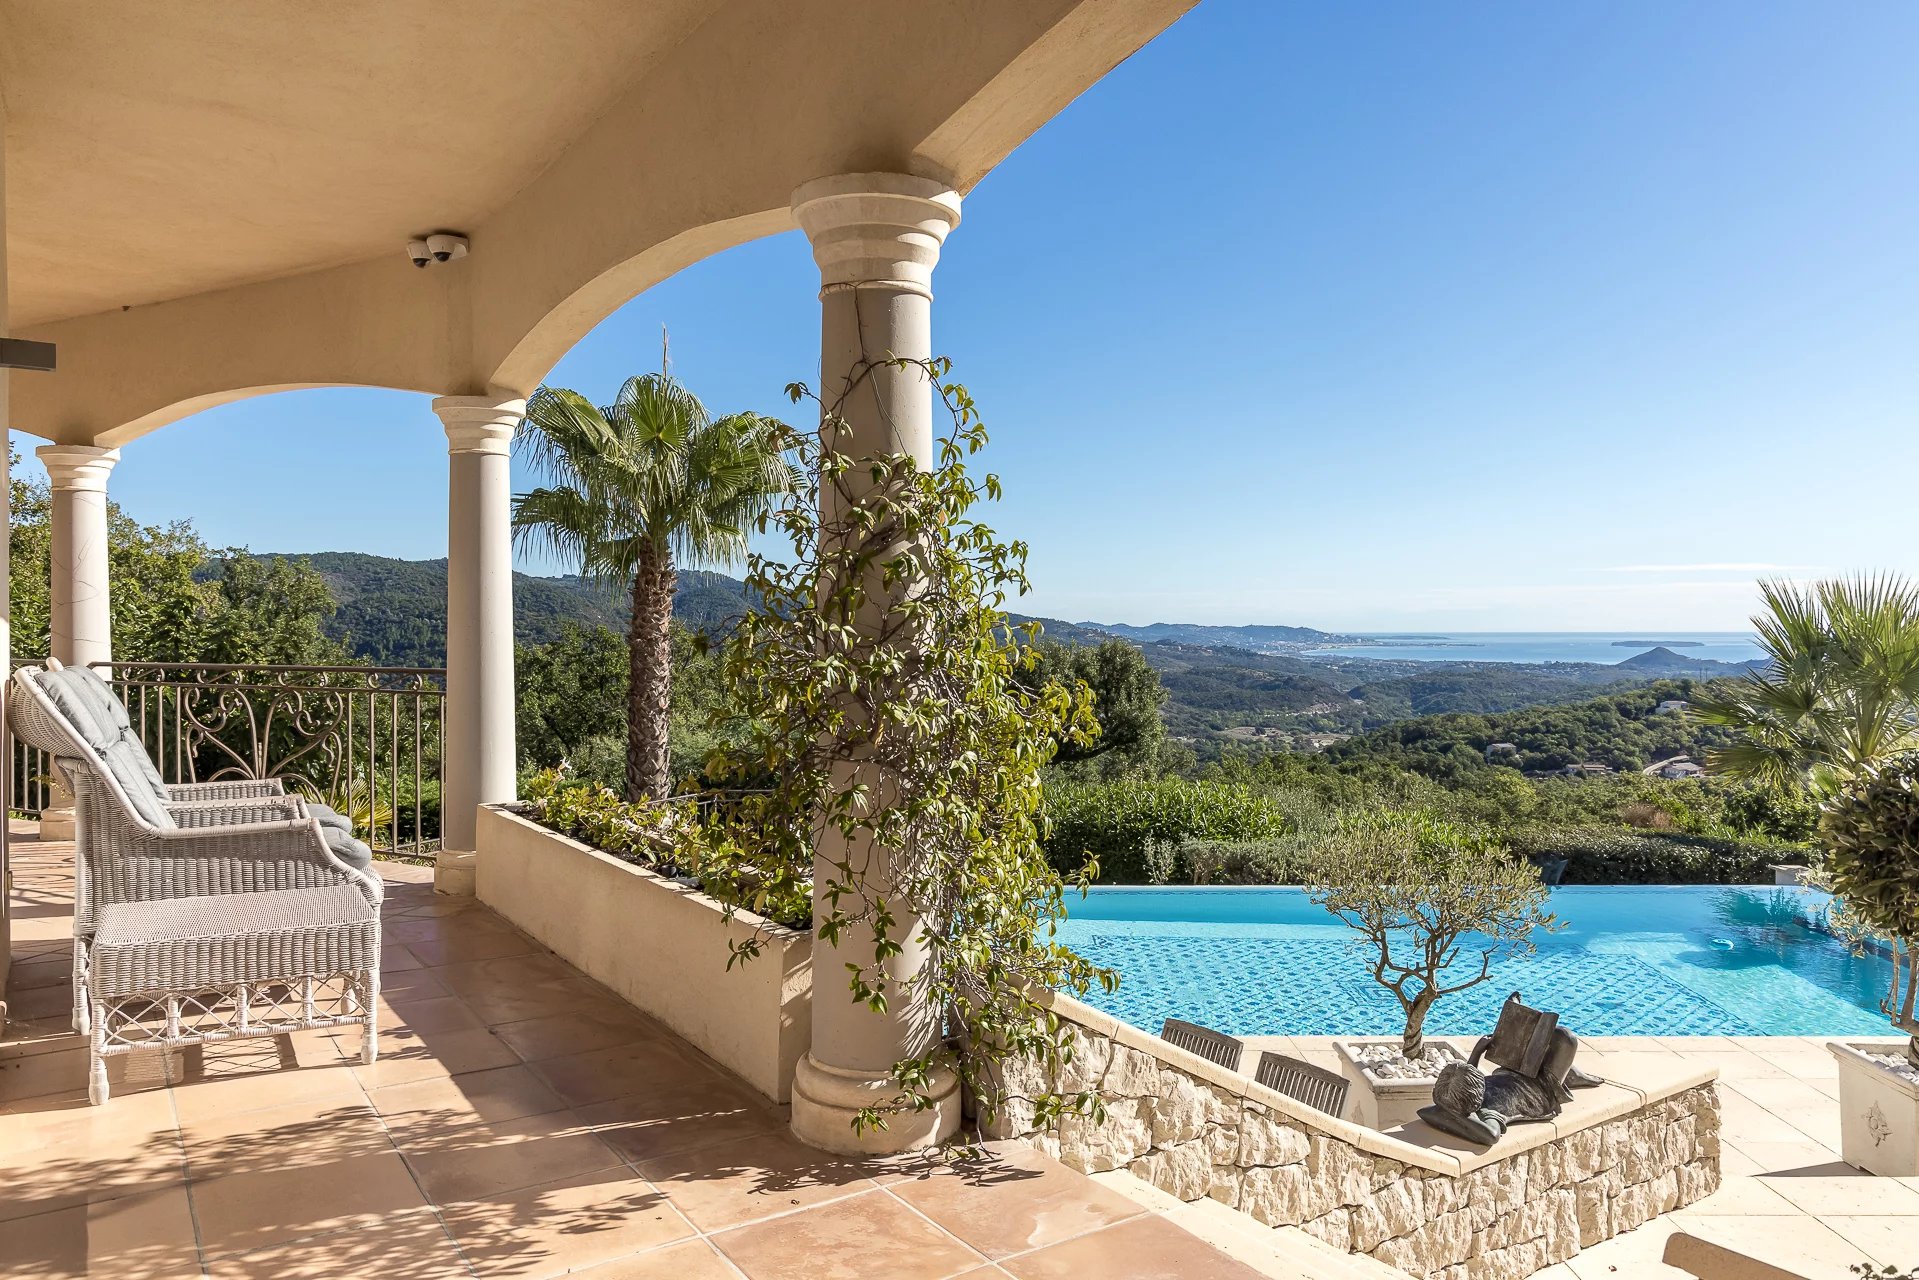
[393, 612]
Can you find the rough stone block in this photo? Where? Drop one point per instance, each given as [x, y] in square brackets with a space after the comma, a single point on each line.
[1126, 1135]
[1131, 1074]
[1266, 1139]
[1284, 1196]
[1184, 1171]
[1186, 1108]
[1344, 1170]
[1594, 1212]
[1394, 1210]
[1335, 1228]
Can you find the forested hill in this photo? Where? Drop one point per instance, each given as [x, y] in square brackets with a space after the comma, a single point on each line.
[1623, 730]
[393, 612]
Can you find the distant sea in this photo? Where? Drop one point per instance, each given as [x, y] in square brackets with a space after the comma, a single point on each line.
[1548, 646]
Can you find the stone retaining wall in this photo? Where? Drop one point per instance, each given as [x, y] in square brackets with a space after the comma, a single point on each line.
[1543, 1193]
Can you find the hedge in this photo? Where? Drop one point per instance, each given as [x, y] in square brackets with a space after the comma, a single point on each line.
[1610, 855]
[1115, 822]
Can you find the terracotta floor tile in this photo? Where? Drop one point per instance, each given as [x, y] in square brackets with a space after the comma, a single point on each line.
[579, 1030]
[502, 1004]
[566, 1225]
[739, 1182]
[457, 946]
[605, 1074]
[694, 1260]
[259, 1087]
[1147, 1248]
[52, 998]
[866, 1237]
[405, 986]
[412, 1246]
[443, 1102]
[315, 1131]
[446, 1013]
[147, 1236]
[479, 1161]
[409, 1056]
[680, 1114]
[1014, 1201]
[62, 1073]
[258, 1208]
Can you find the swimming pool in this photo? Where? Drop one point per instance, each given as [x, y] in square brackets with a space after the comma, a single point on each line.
[1632, 960]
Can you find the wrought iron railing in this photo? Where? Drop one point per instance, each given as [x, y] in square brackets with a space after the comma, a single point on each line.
[366, 740]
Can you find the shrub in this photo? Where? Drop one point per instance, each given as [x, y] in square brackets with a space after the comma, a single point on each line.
[1615, 855]
[1114, 823]
[673, 839]
[1414, 888]
[1869, 830]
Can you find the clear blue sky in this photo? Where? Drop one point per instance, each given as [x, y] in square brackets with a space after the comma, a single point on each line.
[1362, 316]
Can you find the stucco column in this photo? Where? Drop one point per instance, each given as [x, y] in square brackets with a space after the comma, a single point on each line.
[82, 616]
[78, 596]
[479, 755]
[876, 237]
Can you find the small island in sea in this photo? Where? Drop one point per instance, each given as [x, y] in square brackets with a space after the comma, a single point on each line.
[1657, 644]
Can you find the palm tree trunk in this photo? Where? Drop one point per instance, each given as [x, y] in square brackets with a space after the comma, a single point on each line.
[649, 678]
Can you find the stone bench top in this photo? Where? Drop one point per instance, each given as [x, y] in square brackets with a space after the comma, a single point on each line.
[1632, 1083]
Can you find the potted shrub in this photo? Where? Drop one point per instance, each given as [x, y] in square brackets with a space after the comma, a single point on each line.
[1433, 903]
[1869, 829]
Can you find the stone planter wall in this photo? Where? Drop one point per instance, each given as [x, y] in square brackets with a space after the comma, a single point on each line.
[1537, 1197]
[660, 945]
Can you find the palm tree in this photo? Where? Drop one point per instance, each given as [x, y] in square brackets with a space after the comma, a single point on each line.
[632, 491]
[1840, 688]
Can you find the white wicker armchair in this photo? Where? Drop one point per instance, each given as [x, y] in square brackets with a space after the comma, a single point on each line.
[200, 922]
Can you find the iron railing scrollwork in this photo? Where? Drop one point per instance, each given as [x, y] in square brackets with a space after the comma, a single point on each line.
[366, 740]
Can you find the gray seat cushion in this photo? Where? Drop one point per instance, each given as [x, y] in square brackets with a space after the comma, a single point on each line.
[330, 817]
[88, 704]
[346, 848]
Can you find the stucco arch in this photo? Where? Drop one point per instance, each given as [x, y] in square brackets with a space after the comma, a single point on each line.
[700, 152]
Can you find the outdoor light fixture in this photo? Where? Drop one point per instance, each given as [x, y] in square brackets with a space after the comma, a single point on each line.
[441, 246]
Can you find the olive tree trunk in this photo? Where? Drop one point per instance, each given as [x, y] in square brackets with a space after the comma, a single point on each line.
[1412, 1042]
[649, 689]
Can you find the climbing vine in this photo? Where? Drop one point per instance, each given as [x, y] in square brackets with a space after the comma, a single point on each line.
[877, 681]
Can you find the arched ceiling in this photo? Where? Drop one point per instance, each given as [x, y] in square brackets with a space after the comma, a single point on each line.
[160, 150]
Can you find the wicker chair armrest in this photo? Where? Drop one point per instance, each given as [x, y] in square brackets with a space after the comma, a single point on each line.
[244, 857]
[237, 789]
[234, 813]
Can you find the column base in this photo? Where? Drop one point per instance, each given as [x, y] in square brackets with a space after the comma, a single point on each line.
[56, 824]
[825, 1100]
[454, 873]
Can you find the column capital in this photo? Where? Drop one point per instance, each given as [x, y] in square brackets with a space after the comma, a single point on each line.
[78, 468]
[876, 230]
[479, 424]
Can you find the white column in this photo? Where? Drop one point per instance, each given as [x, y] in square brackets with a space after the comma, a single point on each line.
[479, 755]
[6, 605]
[82, 616]
[78, 594]
[876, 237]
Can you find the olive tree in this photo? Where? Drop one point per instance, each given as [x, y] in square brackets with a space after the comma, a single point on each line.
[1422, 891]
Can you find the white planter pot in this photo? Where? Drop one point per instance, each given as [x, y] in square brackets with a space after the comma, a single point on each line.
[1878, 1112]
[1380, 1102]
[660, 945]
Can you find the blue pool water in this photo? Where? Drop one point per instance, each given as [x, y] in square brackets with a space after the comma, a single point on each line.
[1638, 960]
